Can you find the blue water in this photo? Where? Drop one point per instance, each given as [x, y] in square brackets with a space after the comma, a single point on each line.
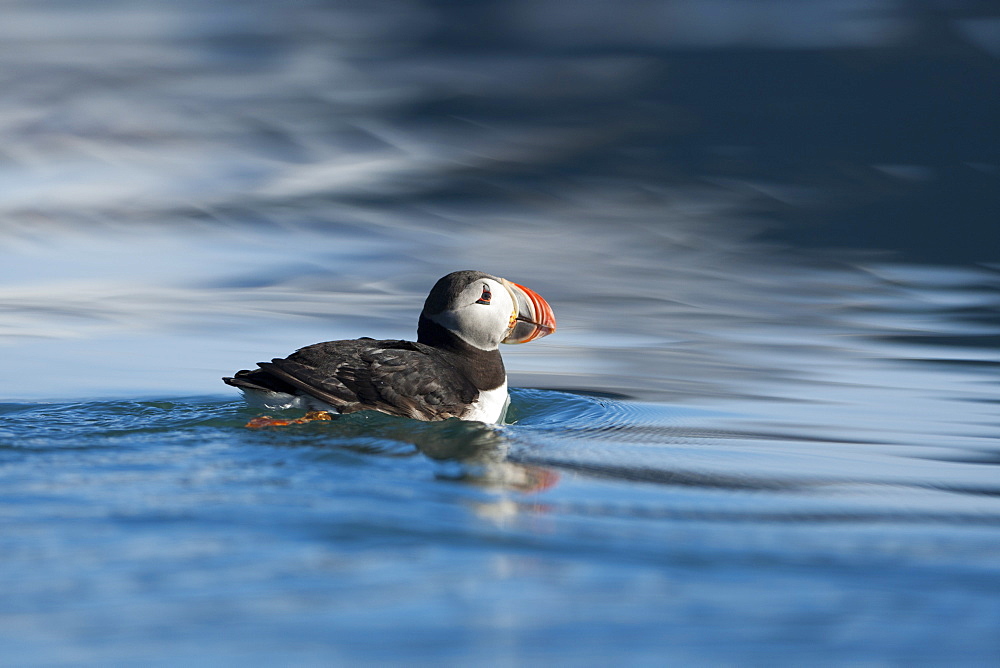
[765, 432]
[589, 529]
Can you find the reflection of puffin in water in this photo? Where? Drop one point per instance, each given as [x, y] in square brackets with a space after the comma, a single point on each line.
[482, 453]
[454, 369]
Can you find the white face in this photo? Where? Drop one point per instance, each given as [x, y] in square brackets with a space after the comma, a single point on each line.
[481, 314]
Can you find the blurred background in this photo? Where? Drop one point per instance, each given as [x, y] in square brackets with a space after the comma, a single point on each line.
[187, 187]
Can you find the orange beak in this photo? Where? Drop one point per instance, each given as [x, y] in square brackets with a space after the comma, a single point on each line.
[533, 318]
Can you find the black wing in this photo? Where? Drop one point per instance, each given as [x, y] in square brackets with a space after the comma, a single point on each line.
[396, 377]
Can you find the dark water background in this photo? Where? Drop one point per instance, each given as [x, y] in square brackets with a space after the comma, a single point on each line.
[765, 433]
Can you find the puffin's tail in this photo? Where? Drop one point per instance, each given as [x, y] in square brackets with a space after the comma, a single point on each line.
[259, 380]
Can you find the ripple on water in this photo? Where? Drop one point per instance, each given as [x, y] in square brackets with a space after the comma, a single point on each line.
[729, 468]
[182, 494]
[596, 436]
[92, 423]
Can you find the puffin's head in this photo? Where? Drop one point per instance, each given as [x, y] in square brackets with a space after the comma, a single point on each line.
[485, 311]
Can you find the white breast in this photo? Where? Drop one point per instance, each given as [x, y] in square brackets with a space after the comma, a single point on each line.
[490, 407]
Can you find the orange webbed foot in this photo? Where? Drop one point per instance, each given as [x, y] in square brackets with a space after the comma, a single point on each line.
[268, 421]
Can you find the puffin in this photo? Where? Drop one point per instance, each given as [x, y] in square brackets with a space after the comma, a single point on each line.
[453, 369]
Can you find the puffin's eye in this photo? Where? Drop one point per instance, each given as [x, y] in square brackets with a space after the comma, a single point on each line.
[486, 296]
